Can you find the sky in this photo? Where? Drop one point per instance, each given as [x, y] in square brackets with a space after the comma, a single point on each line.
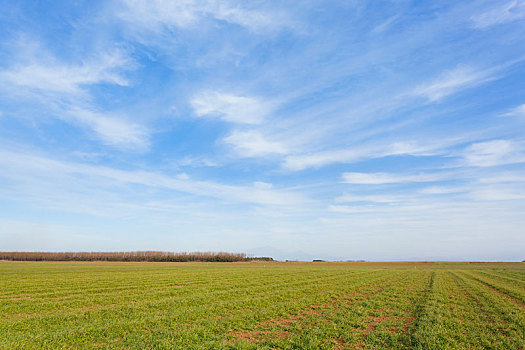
[375, 130]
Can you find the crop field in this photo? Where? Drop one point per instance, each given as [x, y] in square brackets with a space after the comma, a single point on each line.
[92, 305]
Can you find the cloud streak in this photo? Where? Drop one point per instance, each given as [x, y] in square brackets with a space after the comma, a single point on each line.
[112, 130]
[158, 15]
[493, 153]
[386, 178]
[48, 75]
[254, 144]
[230, 108]
[64, 90]
[39, 166]
[453, 81]
[507, 12]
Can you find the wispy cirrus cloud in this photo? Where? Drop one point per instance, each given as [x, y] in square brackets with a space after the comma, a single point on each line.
[250, 143]
[49, 75]
[503, 177]
[504, 12]
[296, 162]
[493, 153]
[389, 178]
[518, 111]
[63, 90]
[499, 193]
[441, 190]
[231, 108]
[158, 15]
[111, 129]
[37, 168]
[319, 159]
[349, 198]
[452, 81]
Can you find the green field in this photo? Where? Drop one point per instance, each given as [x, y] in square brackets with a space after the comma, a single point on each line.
[262, 305]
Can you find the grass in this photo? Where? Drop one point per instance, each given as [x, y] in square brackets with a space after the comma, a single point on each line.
[263, 305]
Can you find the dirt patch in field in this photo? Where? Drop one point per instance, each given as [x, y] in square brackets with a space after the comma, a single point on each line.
[286, 321]
[21, 298]
[374, 321]
[312, 310]
[359, 295]
[106, 343]
[254, 336]
[408, 323]
[373, 324]
[340, 344]
[359, 346]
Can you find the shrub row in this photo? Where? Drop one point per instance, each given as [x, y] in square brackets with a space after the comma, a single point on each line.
[129, 256]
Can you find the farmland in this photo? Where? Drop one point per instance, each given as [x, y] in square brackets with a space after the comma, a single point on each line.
[262, 305]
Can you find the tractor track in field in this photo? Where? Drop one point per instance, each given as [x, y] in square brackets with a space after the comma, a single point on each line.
[378, 317]
[497, 291]
[510, 297]
[419, 310]
[461, 283]
[503, 277]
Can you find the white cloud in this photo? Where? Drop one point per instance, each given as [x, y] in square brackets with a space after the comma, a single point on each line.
[441, 190]
[345, 209]
[262, 185]
[503, 13]
[62, 89]
[407, 148]
[230, 108]
[157, 12]
[499, 193]
[197, 161]
[462, 77]
[504, 177]
[348, 198]
[251, 19]
[254, 144]
[387, 178]
[157, 15]
[111, 129]
[493, 153]
[318, 159]
[385, 25]
[29, 169]
[518, 111]
[47, 75]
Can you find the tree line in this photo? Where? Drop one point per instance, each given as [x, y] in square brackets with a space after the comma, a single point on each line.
[130, 256]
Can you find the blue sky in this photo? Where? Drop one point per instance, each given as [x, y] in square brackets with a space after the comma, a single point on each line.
[379, 130]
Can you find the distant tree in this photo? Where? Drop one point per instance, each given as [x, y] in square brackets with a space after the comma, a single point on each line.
[129, 256]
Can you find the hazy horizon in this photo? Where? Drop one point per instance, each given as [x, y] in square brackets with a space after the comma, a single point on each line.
[330, 130]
